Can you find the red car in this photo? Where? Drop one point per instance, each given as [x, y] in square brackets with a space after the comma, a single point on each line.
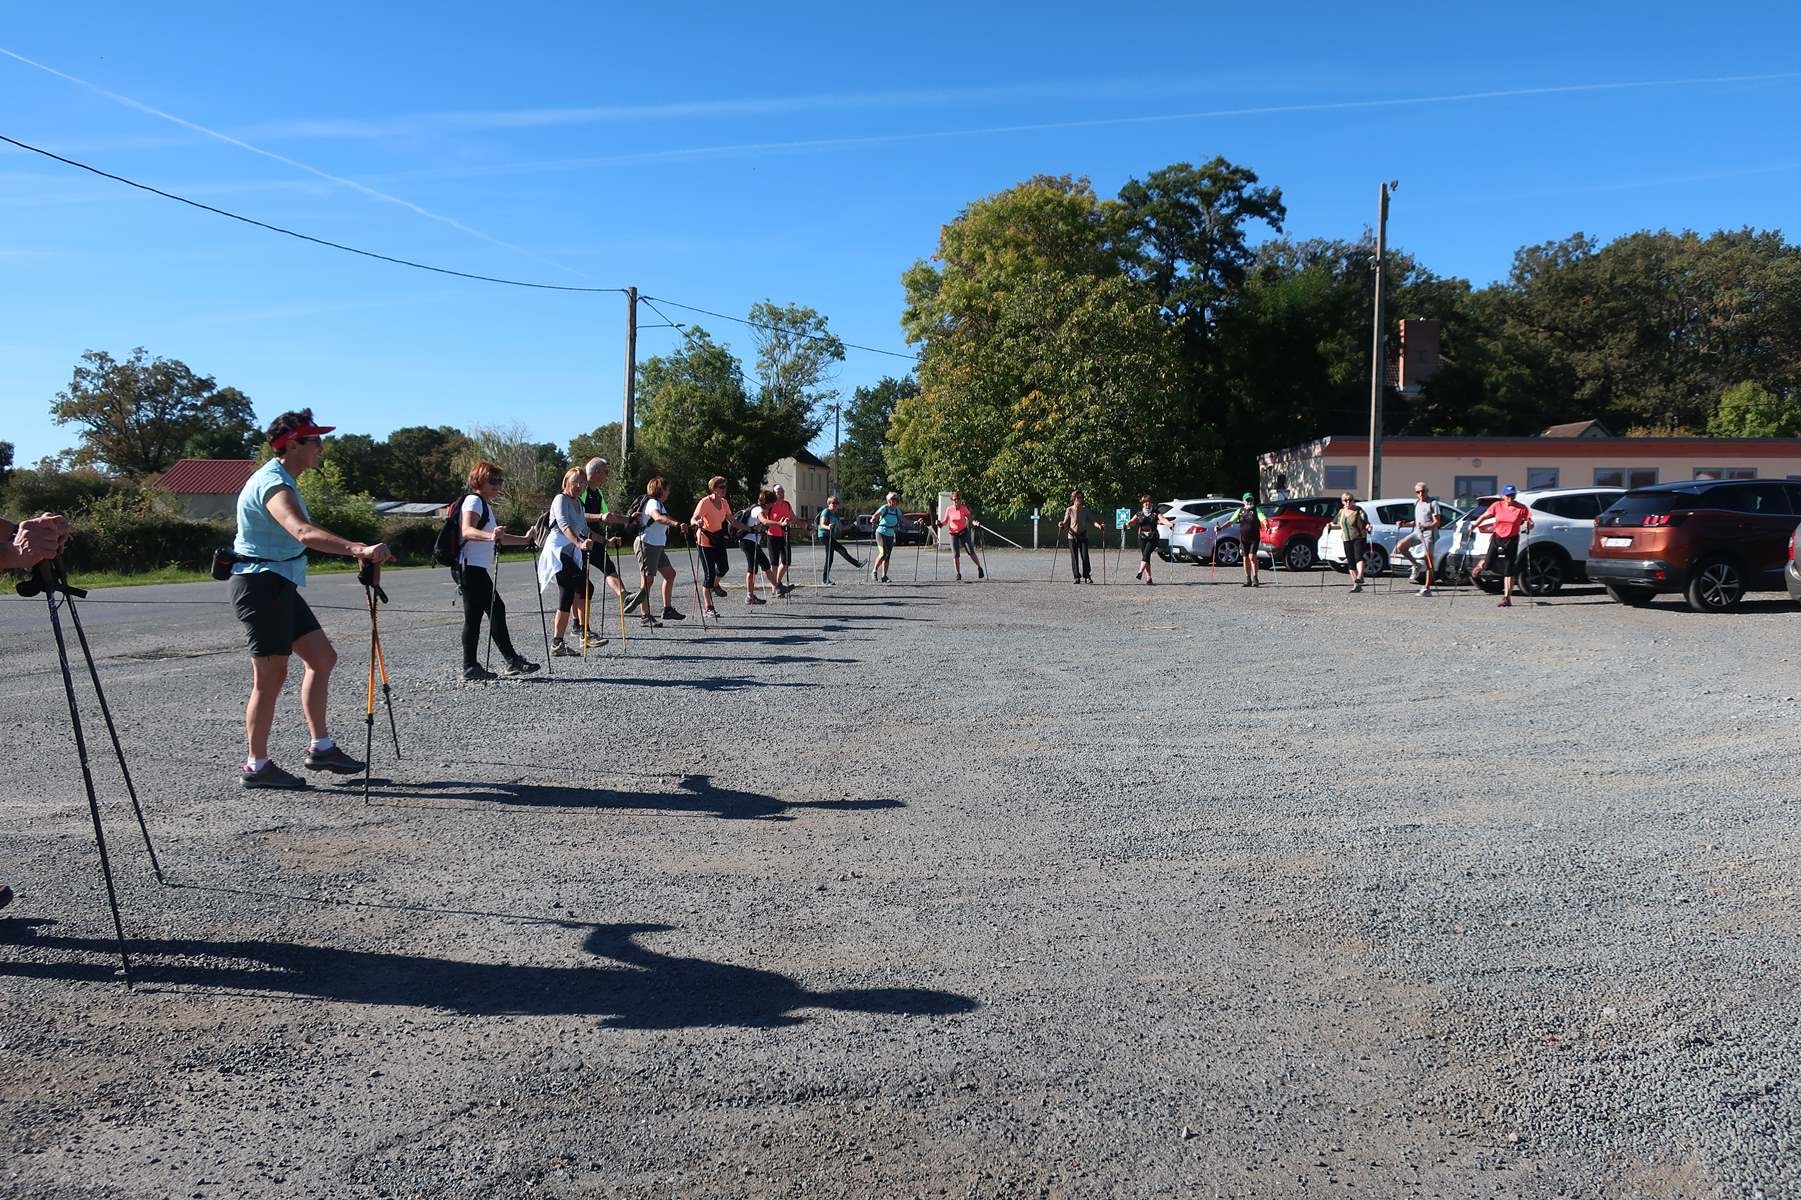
[1292, 528]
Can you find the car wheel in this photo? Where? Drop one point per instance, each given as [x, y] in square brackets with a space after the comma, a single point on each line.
[1298, 556]
[1545, 571]
[1715, 585]
[1227, 552]
[1375, 561]
[1632, 597]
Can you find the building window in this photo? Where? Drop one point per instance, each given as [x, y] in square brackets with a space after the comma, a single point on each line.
[1625, 477]
[1726, 473]
[1470, 486]
[1340, 478]
[803, 512]
[1538, 478]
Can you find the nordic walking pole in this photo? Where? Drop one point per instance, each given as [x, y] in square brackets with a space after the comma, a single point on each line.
[1056, 545]
[47, 577]
[588, 602]
[369, 577]
[700, 603]
[113, 732]
[543, 621]
[493, 599]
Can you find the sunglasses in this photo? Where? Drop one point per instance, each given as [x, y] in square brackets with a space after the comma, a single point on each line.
[309, 441]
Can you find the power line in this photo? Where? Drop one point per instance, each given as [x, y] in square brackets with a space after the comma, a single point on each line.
[775, 328]
[305, 237]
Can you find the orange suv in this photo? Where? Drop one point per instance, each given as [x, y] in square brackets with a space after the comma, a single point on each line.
[1711, 540]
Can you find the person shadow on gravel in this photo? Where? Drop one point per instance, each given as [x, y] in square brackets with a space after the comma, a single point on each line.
[641, 989]
[696, 794]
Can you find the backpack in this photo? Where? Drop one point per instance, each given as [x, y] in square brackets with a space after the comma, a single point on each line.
[447, 549]
[634, 518]
[742, 517]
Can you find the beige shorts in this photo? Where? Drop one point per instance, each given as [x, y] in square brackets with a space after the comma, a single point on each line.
[650, 558]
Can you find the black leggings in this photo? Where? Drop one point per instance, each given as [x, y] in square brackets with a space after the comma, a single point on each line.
[834, 546]
[1148, 547]
[779, 553]
[754, 558]
[716, 562]
[963, 541]
[1078, 555]
[479, 597]
[569, 586]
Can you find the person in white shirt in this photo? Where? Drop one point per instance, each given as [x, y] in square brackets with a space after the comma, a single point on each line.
[564, 557]
[480, 535]
[652, 547]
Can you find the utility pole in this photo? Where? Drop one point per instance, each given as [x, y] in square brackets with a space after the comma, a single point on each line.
[629, 416]
[837, 470]
[1379, 353]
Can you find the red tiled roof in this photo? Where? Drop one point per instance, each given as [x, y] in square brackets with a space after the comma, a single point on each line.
[208, 476]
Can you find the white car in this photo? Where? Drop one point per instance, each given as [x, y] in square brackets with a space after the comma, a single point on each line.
[1191, 534]
[1390, 521]
[1556, 551]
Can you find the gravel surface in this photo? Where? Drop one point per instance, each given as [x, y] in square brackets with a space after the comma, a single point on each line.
[993, 890]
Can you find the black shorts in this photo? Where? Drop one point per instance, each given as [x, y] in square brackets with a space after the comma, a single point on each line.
[1504, 555]
[1148, 547]
[754, 558]
[272, 611]
[779, 553]
[1355, 551]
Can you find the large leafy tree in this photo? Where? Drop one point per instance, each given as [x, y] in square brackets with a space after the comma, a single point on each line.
[142, 414]
[863, 449]
[602, 442]
[421, 463]
[1751, 410]
[360, 459]
[697, 419]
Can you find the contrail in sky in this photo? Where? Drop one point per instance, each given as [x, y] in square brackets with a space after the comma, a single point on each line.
[352, 184]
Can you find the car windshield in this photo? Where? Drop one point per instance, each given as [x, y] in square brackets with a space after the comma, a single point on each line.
[1640, 504]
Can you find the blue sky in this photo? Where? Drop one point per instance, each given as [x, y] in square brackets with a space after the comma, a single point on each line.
[720, 155]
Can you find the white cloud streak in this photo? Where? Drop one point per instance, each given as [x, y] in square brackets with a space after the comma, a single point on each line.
[296, 164]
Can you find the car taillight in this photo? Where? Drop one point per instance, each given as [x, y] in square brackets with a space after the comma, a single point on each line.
[1791, 547]
[1657, 519]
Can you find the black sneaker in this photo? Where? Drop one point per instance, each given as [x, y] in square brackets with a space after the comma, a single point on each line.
[333, 760]
[649, 622]
[754, 599]
[669, 614]
[634, 600]
[519, 666]
[562, 649]
[719, 591]
[475, 674]
[6, 895]
[271, 776]
[981, 573]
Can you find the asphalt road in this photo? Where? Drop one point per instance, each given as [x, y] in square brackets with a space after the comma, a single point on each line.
[993, 890]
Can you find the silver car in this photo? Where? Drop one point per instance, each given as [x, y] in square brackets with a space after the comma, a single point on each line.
[1390, 521]
[1556, 551]
[1193, 527]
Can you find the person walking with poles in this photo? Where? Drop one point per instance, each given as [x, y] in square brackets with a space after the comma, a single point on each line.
[713, 523]
[1149, 523]
[1354, 529]
[776, 520]
[593, 500]
[887, 528]
[652, 549]
[750, 540]
[961, 526]
[267, 573]
[1077, 519]
[564, 559]
[1503, 521]
[1249, 520]
[1423, 535]
[831, 528]
[480, 537]
[22, 547]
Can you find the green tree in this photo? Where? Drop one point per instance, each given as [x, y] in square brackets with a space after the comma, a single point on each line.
[603, 442]
[141, 415]
[1750, 410]
[360, 459]
[533, 470]
[421, 464]
[334, 507]
[697, 420]
[862, 465]
[6, 462]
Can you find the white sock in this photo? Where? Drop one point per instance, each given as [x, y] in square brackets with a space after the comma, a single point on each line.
[323, 743]
[255, 764]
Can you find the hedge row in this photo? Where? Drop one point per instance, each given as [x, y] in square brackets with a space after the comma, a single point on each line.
[142, 542]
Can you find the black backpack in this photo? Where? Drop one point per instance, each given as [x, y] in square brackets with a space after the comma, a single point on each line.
[449, 544]
[742, 517]
[634, 518]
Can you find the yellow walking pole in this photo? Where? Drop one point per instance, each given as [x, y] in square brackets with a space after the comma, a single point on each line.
[587, 604]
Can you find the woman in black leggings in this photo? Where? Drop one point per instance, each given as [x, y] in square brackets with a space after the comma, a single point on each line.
[566, 546]
[831, 528]
[1149, 523]
[481, 539]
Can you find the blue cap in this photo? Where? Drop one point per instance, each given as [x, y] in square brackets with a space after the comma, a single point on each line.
[1509, 490]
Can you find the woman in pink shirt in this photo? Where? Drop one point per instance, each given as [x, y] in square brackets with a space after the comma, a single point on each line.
[776, 519]
[960, 524]
[1503, 521]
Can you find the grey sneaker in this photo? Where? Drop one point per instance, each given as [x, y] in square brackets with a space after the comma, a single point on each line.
[519, 666]
[333, 760]
[271, 776]
[561, 649]
[478, 674]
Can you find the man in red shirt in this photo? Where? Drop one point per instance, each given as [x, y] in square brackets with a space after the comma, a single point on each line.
[775, 524]
[1503, 521]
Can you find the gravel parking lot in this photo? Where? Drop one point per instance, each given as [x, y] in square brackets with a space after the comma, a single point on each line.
[992, 890]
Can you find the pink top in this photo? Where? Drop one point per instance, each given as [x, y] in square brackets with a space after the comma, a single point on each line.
[956, 518]
[778, 512]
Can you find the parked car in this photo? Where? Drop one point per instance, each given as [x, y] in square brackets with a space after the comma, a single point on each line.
[911, 531]
[1191, 534]
[1563, 522]
[1291, 530]
[1390, 521]
[1791, 574]
[1713, 540]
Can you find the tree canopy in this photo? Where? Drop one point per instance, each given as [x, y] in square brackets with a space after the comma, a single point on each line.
[142, 415]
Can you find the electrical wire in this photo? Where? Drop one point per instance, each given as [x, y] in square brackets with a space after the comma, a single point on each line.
[911, 357]
[305, 237]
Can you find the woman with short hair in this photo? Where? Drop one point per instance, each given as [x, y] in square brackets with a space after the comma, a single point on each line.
[750, 540]
[831, 528]
[480, 541]
[268, 570]
[887, 522]
[1149, 523]
[712, 521]
[564, 559]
